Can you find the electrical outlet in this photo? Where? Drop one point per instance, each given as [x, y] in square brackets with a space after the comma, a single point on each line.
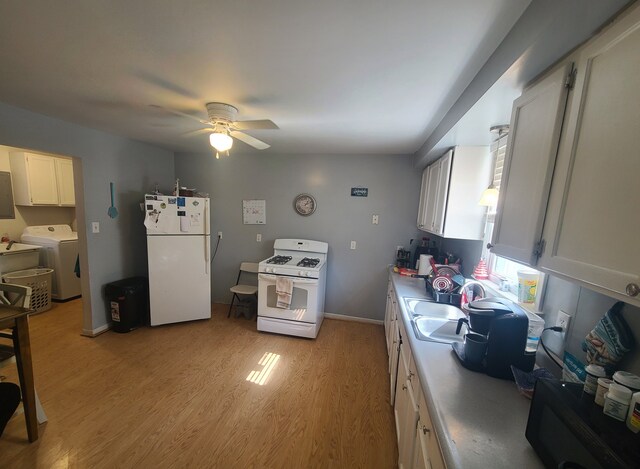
[259, 238]
[353, 244]
[374, 219]
[95, 227]
[219, 234]
[562, 320]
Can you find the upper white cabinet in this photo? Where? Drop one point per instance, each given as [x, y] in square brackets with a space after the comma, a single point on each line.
[534, 132]
[64, 178]
[454, 184]
[569, 196]
[592, 229]
[42, 180]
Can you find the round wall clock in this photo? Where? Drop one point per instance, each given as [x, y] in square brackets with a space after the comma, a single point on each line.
[304, 204]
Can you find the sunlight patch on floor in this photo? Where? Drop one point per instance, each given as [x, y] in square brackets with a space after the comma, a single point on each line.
[268, 362]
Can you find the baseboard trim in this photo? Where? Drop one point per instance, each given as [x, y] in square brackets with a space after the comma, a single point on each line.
[95, 332]
[342, 317]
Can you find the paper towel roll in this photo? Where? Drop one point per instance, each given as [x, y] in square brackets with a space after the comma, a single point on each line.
[425, 264]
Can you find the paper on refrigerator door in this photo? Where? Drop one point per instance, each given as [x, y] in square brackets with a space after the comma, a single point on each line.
[185, 224]
[155, 221]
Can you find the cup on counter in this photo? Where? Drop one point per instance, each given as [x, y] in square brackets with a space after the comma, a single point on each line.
[475, 347]
[527, 286]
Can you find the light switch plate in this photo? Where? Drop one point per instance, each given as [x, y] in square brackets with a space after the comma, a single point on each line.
[353, 244]
[374, 219]
[95, 227]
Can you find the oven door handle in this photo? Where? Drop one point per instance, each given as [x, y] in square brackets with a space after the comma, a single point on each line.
[296, 281]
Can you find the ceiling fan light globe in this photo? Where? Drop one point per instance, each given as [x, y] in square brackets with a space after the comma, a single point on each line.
[220, 141]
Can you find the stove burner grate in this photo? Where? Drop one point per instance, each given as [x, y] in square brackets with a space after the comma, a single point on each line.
[279, 260]
[308, 262]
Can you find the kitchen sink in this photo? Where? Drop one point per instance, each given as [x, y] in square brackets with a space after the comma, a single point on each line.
[434, 322]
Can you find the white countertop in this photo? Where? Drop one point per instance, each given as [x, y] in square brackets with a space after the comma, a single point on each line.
[480, 421]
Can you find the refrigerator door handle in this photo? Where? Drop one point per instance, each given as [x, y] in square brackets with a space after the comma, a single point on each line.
[207, 239]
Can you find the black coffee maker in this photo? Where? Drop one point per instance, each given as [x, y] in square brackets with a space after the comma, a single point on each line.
[505, 325]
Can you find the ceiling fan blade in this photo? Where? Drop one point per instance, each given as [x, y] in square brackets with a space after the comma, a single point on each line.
[257, 124]
[198, 132]
[249, 140]
[178, 113]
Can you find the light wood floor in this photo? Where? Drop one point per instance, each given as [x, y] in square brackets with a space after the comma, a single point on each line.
[178, 396]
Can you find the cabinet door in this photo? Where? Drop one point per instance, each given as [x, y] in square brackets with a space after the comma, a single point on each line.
[393, 361]
[442, 193]
[41, 174]
[536, 122]
[401, 402]
[422, 207]
[387, 320]
[593, 230]
[432, 196]
[64, 177]
[421, 452]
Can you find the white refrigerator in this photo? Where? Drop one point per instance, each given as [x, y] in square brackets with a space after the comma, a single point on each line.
[178, 249]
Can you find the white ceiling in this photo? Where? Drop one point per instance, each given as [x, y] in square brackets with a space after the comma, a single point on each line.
[337, 76]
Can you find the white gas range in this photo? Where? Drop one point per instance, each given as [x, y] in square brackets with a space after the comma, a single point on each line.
[304, 264]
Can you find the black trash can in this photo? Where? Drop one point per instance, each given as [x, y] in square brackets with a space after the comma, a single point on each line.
[128, 301]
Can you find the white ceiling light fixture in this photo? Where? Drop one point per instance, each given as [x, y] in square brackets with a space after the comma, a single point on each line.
[224, 126]
[221, 141]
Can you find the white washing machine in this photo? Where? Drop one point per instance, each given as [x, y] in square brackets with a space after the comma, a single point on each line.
[59, 252]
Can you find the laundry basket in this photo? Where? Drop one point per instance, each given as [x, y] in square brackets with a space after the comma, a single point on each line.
[40, 282]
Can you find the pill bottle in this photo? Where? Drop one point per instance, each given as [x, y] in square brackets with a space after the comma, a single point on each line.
[603, 388]
[628, 380]
[633, 417]
[616, 402]
[594, 372]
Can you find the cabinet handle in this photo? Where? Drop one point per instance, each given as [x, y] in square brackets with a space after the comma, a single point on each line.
[489, 246]
[411, 375]
[425, 430]
[633, 289]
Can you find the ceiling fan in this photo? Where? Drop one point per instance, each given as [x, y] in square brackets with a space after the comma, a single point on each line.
[223, 125]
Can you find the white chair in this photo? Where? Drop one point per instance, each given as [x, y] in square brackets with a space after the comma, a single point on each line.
[244, 290]
[20, 296]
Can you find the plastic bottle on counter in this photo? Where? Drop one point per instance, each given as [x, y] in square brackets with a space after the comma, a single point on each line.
[603, 388]
[633, 417]
[593, 373]
[627, 379]
[616, 402]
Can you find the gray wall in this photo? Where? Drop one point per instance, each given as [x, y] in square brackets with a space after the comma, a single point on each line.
[546, 31]
[586, 307]
[356, 280]
[119, 250]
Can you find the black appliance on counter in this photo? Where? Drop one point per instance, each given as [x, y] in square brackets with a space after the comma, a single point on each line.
[505, 325]
[568, 430]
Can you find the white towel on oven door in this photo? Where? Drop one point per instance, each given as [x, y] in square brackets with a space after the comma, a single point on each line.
[284, 290]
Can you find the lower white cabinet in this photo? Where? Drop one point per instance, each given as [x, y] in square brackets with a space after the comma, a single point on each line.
[393, 360]
[405, 411]
[418, 446]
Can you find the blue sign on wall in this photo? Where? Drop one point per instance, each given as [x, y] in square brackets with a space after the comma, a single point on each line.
[359, 191]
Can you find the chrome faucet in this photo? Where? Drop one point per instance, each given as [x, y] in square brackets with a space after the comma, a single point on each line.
[11, 243]
[470, 287]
